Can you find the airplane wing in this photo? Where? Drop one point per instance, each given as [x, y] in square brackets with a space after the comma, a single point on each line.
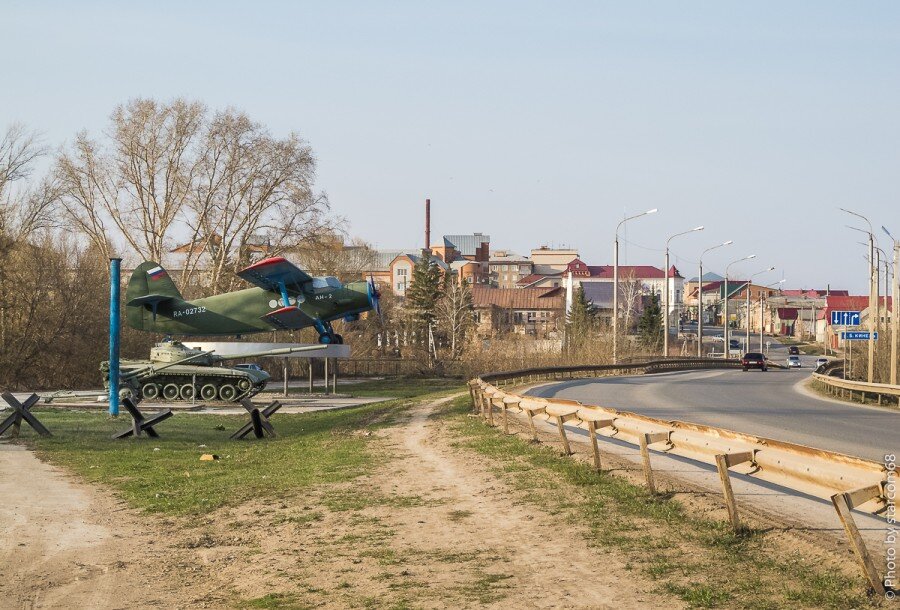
[288, 318]
[272, 272]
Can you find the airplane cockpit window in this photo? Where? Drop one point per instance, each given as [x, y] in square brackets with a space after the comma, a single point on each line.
[326, 283]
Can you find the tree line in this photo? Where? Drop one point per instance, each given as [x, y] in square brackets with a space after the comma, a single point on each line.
[159, 175]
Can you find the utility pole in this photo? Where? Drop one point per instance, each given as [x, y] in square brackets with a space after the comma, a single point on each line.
[667, 290]
[616, 283]
[700, 299]
[749, 284]
[895, 297]
[873, 291]
[725, 332]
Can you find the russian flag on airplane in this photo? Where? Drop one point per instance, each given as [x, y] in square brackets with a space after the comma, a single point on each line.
[156, 273]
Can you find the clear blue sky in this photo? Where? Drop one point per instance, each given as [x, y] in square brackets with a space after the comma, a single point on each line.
[538, 123]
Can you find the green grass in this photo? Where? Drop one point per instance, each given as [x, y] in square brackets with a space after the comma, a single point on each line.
[165, 475]
[700, 560]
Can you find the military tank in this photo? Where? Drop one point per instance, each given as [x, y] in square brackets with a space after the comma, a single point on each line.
[178, 372]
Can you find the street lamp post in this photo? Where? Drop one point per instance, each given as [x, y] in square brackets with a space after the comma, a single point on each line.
[762, 312]
[700, 299]
[749, 283]
[666, 291]
[725, 332]
[616, 283]
[895, 297]
[872, 289]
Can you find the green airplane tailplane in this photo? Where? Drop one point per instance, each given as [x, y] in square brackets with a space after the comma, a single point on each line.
[151, 285]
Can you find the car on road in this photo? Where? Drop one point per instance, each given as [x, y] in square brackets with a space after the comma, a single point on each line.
[794, 350]
[793, 362]
[821, 362]
[249, 366]
[754, 360]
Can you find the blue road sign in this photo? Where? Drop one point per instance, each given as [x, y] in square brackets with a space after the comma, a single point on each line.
[858, 335]
[845, 318]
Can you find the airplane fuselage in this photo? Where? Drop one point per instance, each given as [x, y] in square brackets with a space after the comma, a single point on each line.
[243, 311]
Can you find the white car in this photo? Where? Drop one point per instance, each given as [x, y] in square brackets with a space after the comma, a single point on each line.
[821, 361]
[793, 362]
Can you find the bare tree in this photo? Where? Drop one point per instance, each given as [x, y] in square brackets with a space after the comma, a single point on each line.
[251, 191]
[454, 315]
[25, 206]
[222, 184]
[630, 291]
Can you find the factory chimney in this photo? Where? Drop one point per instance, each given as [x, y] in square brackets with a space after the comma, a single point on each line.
[428, 224]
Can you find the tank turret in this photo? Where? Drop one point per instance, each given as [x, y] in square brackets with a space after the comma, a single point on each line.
[178, 372]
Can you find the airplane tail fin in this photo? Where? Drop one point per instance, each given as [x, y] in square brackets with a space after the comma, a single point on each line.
[149, 286]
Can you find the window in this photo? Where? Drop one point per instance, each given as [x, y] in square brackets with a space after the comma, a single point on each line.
[523, 269]
[401, 271]
[505, 267]
[469, 279]
[399, 286]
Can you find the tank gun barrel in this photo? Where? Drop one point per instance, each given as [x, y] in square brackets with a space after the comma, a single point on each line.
[274, 352]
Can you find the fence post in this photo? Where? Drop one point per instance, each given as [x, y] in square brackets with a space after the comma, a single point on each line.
[647, 439]
[843, 503]
[723, 463]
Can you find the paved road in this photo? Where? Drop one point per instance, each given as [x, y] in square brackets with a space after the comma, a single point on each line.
[766, 404]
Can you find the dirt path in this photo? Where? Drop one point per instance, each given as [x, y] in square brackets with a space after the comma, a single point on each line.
[431, 526]
[542, 563]
[68, 545]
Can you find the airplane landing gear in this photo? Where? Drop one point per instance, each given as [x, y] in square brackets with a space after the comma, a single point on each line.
[327, 335]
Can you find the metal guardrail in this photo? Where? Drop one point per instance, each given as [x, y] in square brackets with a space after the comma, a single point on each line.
[846, 387]
[849, 482]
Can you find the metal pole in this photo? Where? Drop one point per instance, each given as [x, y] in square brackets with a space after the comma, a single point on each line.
[310, 362]
[326, 376]
[895, 319]
[873, 307]
[666, 306]
[285, 377]
[725, 321]
[115, 265]
[616, 299]
[747, 318]
[762, 318]
[700, 311]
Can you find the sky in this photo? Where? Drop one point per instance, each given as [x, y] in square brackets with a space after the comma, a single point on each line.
[537, 123]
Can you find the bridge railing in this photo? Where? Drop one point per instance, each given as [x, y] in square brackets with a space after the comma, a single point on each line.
[845, 388]
[849, 482]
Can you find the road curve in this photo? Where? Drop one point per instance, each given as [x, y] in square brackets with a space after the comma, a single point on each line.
[770, 404]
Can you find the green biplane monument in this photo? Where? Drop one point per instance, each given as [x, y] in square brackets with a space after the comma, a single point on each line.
[285, 298]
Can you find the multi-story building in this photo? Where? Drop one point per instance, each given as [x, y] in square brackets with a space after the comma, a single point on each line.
[549, 261]
[474, 249]
[531, 311]
[507, 268]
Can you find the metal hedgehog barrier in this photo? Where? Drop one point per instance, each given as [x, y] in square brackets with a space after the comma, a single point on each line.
[848, 482]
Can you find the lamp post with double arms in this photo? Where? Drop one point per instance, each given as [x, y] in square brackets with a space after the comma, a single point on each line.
[700, 298]
[667, 290]
[615, 316]
[872, 298]
[725, 333]
[750, 283]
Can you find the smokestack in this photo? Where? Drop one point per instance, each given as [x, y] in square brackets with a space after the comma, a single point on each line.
[428, 224]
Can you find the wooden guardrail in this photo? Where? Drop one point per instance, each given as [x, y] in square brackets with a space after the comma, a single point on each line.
[846, 388]
[849, 482]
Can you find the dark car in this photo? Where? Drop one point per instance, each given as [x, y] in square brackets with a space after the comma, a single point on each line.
[754, 360]
[794, 350]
